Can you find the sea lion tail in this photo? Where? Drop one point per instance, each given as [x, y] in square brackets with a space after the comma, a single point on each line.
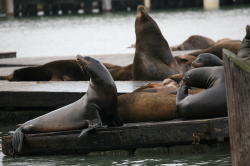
[17, 140]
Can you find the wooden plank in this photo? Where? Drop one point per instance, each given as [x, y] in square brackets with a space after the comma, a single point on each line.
[7, 55]
[51, 94]
[118, 59]
[127, 137]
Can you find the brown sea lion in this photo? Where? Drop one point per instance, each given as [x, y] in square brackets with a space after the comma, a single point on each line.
[184, 62]
[167, 86]
[153, 58]
[97, 106]
[207, 104]
[216, 49]
[122, 73]
[194, 42]
[146, 106]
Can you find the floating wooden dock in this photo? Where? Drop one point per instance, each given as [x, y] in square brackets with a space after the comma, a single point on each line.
[117, 59]
[51, 94]
[128, 137]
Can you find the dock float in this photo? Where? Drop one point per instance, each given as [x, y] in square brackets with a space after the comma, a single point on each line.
[52, 94]
[117, 59]
[128, 137]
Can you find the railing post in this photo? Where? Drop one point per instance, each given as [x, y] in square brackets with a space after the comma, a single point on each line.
[237, 81]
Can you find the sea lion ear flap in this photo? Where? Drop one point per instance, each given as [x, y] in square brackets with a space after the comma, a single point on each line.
[248, 31]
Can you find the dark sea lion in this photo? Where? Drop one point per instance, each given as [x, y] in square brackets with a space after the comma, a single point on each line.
[194, 42]
[153, 58]
[208, 103]
[216, 49]
[206, 60]
[97, 106]
[60, 70]
[122, 73]
[245, 45]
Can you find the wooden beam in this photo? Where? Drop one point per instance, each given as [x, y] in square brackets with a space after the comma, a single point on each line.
[127, 137]
[7, 55]
[237, 79]
[118, 59]
[51, 94]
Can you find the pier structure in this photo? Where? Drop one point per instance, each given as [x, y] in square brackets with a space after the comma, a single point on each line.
[66, 7]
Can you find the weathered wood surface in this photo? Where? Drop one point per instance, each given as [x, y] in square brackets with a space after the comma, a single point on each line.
[7, 55]
[238, 103]
[127, 137]
[51, 94]
[118, 59]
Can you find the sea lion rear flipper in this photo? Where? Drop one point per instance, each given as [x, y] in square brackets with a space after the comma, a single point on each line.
[93, 124]
[17, 140]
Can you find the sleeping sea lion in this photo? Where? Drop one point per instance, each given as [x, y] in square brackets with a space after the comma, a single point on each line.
[60, 70]
[207, 104]
[153, 58]
[194, 42]
[206, 60]
[216, 49]
[97, 106]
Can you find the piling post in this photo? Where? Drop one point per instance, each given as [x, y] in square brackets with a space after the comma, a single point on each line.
[237, 79]
[211, 4]
[9, 7]
[147, 4]
[106, 5]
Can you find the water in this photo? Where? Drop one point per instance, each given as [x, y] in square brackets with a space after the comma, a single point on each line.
[113, 33]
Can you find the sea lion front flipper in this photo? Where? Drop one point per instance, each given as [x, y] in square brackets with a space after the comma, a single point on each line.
[17, 140]
[182, 93]
[93, 124]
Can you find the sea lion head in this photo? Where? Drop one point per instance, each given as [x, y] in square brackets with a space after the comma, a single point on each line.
[141, 11]
[193, 78]
[95, 69]
[206, 59]
[247, 32]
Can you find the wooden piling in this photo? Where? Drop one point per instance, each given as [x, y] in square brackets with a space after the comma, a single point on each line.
[211, 4]
[9, 7]
[237, 76]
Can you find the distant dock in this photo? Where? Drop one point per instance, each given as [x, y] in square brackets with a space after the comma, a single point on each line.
[72, 7]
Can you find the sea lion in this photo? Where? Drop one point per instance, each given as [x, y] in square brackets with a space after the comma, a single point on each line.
[184, 62]
[208, 103]
[206, 60]
[60, 70]
[146, 106]
[97, 106]
[216, 49]
[245, 45]
[153, 59]
[122, 73]
[194, 42]
[167, 86]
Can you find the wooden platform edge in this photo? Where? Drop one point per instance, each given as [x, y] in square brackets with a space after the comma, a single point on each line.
[4, 55]
[127, 137]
